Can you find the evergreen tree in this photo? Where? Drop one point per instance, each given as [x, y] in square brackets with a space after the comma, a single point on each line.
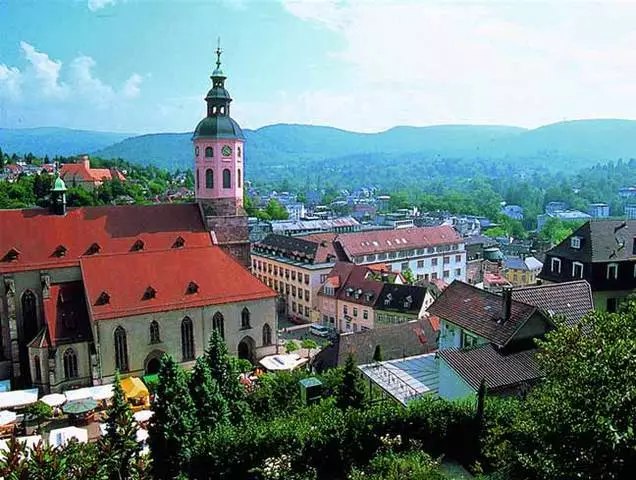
[174, 430]
[120, 442]
[350, 393]
[212, 408]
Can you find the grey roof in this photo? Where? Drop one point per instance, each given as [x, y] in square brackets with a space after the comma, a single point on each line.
[501, 369]
[220, 126]
[515, 263]
[601, 241]
[572, 300]
[401, 298]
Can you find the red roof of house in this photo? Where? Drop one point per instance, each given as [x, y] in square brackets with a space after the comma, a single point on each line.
[377, 241]
[36, 235]
[325, 248]
[355, 284]
[184, 278]
[68, 170]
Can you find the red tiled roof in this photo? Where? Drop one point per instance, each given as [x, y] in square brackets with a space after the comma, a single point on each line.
[325, 248]
[480, 312]
[376, 241]
[354, 282]
[68, 170]
[218, 279]
[65, 315]
[36, 234]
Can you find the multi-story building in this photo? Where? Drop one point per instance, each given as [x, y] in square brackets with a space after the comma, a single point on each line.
[603, 252]
[81, 174]
[429, 253]
[303, 227]
[630, 211]
[521, 271]
[295, 267]
[563, 215]
[598, 210]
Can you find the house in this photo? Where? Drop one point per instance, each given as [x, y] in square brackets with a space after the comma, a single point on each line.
[489, 336]
[513, 211]
[598, 210]
[303, 227]
[603, 252]
[475, 256]
[295, 267]
[402, 303]
[428, 252]
[563, 215]
[521, 271]
[627, 192]
[81, 174]
[403, 340]
[295, 210]
[630, 212]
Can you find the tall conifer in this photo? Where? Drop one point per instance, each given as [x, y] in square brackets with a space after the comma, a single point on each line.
[212, 408]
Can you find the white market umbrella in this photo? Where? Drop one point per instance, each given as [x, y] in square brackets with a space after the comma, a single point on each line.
[7, 417]
[143, 415]
[142, 435]
[53, 399]
[61, 436]
[103, 392]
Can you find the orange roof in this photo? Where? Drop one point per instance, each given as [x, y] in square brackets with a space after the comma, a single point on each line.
[36, 236]
[160, 281]
[377, 241]
[92, 174]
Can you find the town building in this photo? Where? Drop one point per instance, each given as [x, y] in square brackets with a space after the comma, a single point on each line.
[627, 192]
[428, 253]
[82, 175]
[603, 252]
[296, 211]
[303, 227]
[630, 212]
[564, 216]
[476, 250]
[598, 210]
[295, 267]
[553, 207]
[513, 211]
[521, 271]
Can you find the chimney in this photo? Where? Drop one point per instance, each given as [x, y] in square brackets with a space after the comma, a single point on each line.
[506, 304]
[86, 162]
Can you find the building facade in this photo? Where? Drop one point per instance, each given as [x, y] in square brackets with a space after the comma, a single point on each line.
[81, 174]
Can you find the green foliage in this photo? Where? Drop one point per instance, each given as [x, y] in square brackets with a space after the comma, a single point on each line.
[174, 429]
[276, 394]
[309, 344]
[408, 276]
[120, 442]
[40, 411]
[554, 231]
[377, 354]
[580, 422]
[350, 393]
[240, 365]
[290, 346]
[212, 408]
[412, 465]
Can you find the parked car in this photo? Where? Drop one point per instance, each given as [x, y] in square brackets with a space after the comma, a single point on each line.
[319, 330]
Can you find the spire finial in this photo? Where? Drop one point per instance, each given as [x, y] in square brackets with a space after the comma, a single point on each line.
[218, 53]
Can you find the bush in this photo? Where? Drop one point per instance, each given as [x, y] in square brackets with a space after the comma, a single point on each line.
[413, 465]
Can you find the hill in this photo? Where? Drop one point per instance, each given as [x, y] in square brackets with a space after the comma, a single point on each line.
[54, 141]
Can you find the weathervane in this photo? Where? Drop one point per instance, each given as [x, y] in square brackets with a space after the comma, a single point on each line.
[218, 53]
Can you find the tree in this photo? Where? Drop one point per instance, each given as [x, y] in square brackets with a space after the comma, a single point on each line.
[408, 276]
[174, 430]
[290, 346]
[308, 343]
[120, 442]
[40, 411]
[350, 393]
[276, 211]
[212, 408]
[377, 354]
[579, 423]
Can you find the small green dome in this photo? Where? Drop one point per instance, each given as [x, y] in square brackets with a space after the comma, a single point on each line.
[59, 185]
[221, 126]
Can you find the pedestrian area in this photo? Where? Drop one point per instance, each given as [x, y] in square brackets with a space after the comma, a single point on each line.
[407, 378]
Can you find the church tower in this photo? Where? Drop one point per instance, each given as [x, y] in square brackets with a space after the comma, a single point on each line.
[218, 143]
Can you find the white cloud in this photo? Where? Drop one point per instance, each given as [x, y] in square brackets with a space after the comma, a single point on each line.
[131, 87]
[47, 71]
[10, 82]
[94, 5]
[423, 62]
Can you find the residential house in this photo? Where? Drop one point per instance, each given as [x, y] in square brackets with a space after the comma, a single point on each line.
[486, 336]
[402, 303]
[81, 174]
[598, 210]
[627, 192]
[520, 271]
[295, 267]
[428, 252]
[296, 210]
[603, 252]
[475, 256]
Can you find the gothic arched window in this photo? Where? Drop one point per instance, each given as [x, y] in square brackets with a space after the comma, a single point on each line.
[121, 350]
[187, 339]
[218, 323]
[238, 178]
[38, 368]
[29, 313]
[227, 179]
[267, 335]
[154, 332]
[245, 318]
[209, 178]
[70, 364]
[209, 152]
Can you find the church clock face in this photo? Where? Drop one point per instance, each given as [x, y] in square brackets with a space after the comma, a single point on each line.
[226, 150]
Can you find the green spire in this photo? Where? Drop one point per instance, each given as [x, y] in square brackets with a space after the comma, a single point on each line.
[59, 185]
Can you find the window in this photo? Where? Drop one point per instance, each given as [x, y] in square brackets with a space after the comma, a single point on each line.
[468, 340]
[187, 339]
[323, 278]
[287, 288]
[365, 314]
[345, 310]
[287, 273]
[154, 332]
[329, 290]
[218, 323]
[434, 276]
[245, 318]
[70, 364]
[392, 254]
[355, 311]
[458, 272]
[209, 152]
[238, 178]
[121, 350]
[293, 291]
[306, 279]
[612, 271]
[293, 273]
[420, 264]
[446, 260]
[38, 368]
[267, 335]
[275, 270]
[555, 265]
[426, 277]
[446, 273]
[238, 151]
[577, 269]
[209, 178]
[404, 266]
[458, 258]
[575, 242]
[196, 151]
[197, 179]
[306, 295]
[434, 262]
[294, 307]
[227, 179]
[29, 312]
[455, 247]
[306, 311]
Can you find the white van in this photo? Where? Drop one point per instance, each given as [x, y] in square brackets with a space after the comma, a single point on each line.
[319, 330]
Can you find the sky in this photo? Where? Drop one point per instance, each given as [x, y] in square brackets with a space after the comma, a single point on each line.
[143, 66]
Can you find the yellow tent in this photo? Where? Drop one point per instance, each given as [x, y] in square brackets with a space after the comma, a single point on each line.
[133, 387]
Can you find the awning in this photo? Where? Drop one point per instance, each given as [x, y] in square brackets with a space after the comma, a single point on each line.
[18, 398]
[53, 399]
[282, 362]
[100, 392]
[61, 436]
[133, 387]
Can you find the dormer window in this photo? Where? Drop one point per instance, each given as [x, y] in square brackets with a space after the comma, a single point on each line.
[192, 288]
[93, 249]
[103, 299]
[150, 293]
[59, 251]
[137, 246]
[408, 301]
[612, 271]
[388, 299]
[11, 256]
[178, 243]
[555, 265]
[329, 290]
[575, 242]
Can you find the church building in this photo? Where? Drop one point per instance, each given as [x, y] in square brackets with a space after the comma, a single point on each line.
[87, 291]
